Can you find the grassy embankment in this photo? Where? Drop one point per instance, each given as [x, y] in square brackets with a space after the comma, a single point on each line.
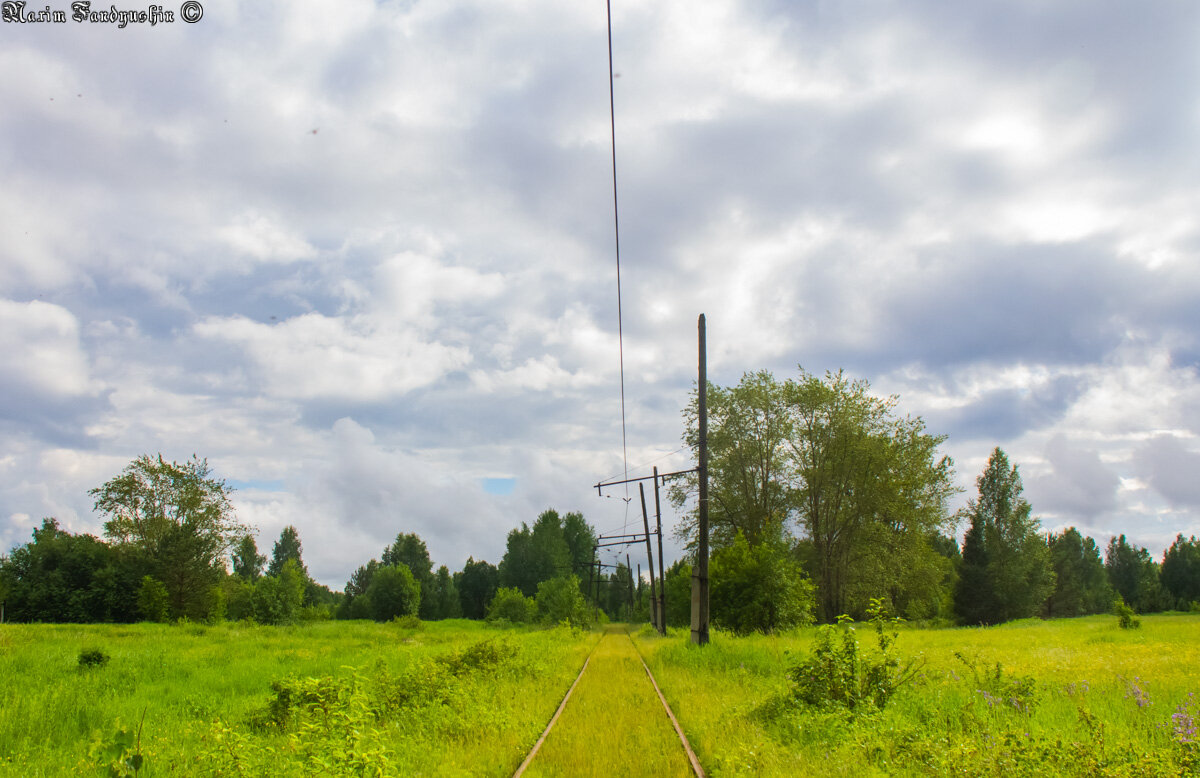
[449, 698]
[614, 724]
[1075, 697]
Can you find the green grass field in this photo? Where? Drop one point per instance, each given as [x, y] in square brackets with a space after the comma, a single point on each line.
[1073, 697]
[450, 698]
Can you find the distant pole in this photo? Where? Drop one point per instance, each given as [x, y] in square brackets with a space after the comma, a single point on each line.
[632, 605]
[649, 554]
[592, 586]
[700, 572]
[662, 577]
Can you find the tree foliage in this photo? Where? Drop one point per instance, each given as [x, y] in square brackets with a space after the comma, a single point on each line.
[758, 589]
[179, 516]
[410, 550]
[151, 498]
[247, 562]
[287, 548]
[477, 583]
[1180, 572]
[1006, 572]
[864, 487]
[541, 552]
[62, 577]
[1080, 583]
[559, 600]
[512, 606]
[1133, 575]
[394, 591]
[445, 600]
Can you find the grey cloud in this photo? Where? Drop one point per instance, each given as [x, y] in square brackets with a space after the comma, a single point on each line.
[1172, 469]
[1079, 485]
[1007, 414]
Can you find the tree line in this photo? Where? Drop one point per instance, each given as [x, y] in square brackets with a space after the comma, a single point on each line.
[173, 549]
[823, 497]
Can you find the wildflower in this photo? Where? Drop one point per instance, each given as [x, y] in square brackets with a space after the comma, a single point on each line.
[1185, 724]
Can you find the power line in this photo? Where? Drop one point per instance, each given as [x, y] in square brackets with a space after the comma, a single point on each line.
[612, 120]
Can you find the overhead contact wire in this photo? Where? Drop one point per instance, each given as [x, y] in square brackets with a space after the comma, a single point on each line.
[612, 119]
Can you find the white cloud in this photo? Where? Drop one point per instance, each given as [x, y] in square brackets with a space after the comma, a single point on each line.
[40, 351]
[988, 209]
[315, 356]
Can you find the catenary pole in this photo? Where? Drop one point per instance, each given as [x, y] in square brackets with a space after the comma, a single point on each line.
[649, 554]
[662, 577]
[700, 572]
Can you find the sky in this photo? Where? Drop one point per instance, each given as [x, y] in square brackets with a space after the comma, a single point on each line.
[360, 256]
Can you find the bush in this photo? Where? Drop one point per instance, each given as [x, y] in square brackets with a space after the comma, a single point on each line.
[408, 621]
[512, 606]
[559, 600]
[837, 675]
[1126, 618]
[759, 589]
[92, 657]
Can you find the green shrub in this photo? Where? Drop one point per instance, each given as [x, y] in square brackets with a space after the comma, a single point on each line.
[408, 621]
[837, 675]
[1126, 618]
[512, 606]
[559, 601]
[92, 657]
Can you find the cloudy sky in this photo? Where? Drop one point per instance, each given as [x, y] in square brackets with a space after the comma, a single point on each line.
[362, 259]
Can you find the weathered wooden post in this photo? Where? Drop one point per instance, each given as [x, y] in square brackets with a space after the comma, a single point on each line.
[649, 556]
[662, 576]
[700, 571]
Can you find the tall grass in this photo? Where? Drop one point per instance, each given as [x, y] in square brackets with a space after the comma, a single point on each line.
[204, 692]
[1077, 696]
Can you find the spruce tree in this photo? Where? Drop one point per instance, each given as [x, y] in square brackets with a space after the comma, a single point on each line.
[1006, 571]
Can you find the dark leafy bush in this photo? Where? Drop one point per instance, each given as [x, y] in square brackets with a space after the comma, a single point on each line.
[92, 657]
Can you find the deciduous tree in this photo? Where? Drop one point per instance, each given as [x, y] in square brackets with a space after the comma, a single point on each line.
[394, 591]
[179, 516]
[758, 589]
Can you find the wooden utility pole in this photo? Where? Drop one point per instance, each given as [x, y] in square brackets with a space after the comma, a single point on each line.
[593, 586]
[700, 571]
[649, 556]
[632, 605]
[662, 577]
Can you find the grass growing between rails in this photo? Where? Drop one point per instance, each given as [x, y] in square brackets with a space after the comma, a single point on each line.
[1070, 697]
[332, 698]
[614, 724]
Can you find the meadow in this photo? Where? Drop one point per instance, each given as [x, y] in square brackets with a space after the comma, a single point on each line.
[342, 698]
[1062, 697]
[1066, 697]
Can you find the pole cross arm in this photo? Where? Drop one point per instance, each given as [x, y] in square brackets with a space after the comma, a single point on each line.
[663, 476]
